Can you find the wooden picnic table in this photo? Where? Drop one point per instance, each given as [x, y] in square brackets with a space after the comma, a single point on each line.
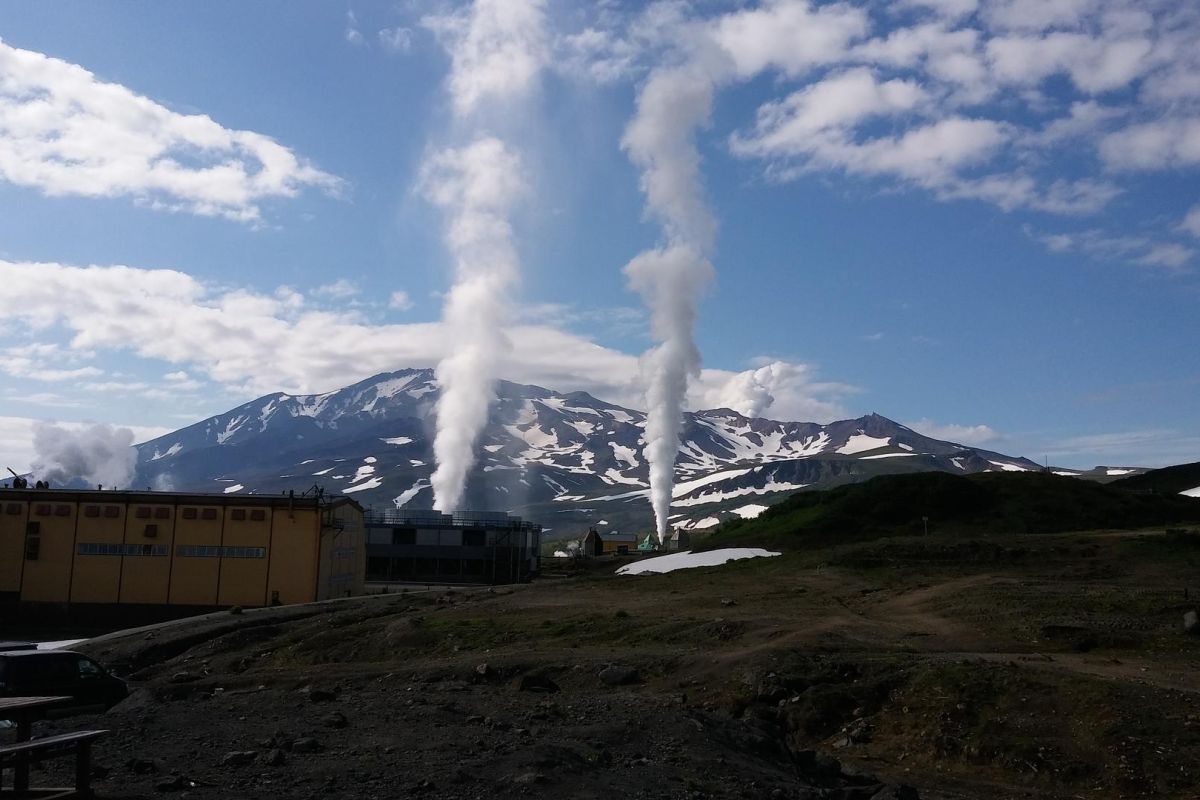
[24, 711]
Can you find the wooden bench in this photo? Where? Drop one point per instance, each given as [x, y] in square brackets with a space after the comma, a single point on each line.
[18, 757]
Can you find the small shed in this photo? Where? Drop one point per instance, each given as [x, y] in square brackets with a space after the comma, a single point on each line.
[649, 544]
[679, 540]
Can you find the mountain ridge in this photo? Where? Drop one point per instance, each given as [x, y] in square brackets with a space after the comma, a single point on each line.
[568, 458]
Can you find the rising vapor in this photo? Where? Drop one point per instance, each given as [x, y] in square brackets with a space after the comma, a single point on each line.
[660, 140]
[477, 186]
[497, 48]
[95, 454]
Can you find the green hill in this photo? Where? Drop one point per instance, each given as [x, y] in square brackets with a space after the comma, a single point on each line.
[894, 505]
[1169, 480]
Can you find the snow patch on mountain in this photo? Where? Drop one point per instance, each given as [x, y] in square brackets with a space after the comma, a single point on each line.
[397, 440]
[373, 483]
[170, 451]
[861, 443]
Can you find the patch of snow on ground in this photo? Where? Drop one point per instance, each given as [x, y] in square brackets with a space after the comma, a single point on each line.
[170, 451]
[750, 511]
[689, 560]
[1067, 474]
[493, 448]
[860, 443]
[707, 522]
[1118, 471]
[623, 453]
[409, 494]
[374, 483]
[415, 463]
[397, 440]
[561, 554]
[363, 473]
[1192, 492]
[717, 496]
[958, 463]
[903, 446]
[307, 461]
[602, 522]
[325, 471]
[888, 455]
[614, 476]
[1008, 467]
[621, 416]
[237, 487]
[369, 460]
[687, 487]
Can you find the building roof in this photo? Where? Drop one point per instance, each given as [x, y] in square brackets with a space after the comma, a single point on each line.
[174, 498]
[617, 536]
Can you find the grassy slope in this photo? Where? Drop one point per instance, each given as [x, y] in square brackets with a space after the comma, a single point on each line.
[1169, 480]
[987, 503]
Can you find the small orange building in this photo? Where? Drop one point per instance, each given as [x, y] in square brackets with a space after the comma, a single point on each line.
[174, 549]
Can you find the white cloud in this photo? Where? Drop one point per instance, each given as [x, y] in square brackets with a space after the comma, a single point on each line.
[1171, 255]
[397, 40]
[1165, 143]
[340, 289]
[400, 301]
[787, 127]
[1037, 15]
[789, 36]
[950, 9]
[352, 34]
[781, 389]
[223, 334]
[959, 434]
[1097, 244]
[1191, 222]
[65, 132]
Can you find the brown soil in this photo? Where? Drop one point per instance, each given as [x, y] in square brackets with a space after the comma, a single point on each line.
[1034, 666]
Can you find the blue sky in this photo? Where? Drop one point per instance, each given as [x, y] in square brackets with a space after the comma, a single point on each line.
[977, 217]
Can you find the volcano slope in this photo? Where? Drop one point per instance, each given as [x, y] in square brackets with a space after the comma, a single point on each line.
[997, 666]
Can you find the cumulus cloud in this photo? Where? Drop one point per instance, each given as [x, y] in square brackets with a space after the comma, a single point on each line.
[959, 434]
[63, 131]
[1191, 222]
[255, 343]
[400, 301]
[341, 289]
[783, 389]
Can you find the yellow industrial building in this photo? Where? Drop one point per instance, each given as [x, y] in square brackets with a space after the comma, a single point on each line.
[172, 549]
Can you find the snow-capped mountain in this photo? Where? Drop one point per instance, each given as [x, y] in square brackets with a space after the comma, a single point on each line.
[564, 460]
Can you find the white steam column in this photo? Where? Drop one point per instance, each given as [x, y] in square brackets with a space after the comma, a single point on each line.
[497, 48]
[671, 278]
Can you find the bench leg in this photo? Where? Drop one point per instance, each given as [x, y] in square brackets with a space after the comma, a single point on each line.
[83, 770]
[21, 768]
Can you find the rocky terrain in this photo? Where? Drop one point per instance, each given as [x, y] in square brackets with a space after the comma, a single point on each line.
[980, 667]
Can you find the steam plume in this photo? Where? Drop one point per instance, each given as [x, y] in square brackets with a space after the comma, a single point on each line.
[497, 48]
[96, 454]
[477, 185]
[661, 140]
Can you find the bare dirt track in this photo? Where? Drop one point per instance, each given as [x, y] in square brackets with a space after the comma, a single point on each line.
[1003, 667]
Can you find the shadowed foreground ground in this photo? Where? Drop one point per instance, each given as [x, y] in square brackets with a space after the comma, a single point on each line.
[1008, 666]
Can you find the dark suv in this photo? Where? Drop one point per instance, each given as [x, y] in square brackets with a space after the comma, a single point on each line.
[26, 673]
